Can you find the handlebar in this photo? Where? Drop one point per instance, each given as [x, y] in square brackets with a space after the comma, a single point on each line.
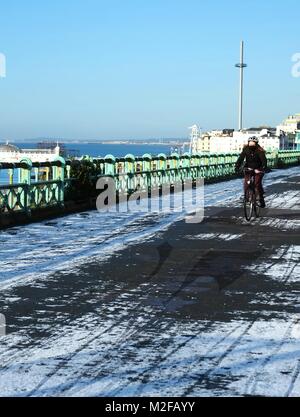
[256, 171]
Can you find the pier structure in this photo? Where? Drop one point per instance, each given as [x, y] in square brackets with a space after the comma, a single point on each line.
[10, 153]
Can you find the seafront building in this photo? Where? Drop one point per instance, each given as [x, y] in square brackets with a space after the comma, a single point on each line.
[289, 129]
[289, 125]
[228, 140]
[236, 140]
[285, 136]
[11, 154]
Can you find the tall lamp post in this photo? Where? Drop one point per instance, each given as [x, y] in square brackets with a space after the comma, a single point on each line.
[241, 66]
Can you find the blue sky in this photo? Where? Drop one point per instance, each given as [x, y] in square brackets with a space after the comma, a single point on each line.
[96, 69]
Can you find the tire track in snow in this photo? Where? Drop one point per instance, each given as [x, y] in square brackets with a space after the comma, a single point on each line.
[155, 365]
[289, 269]
[262, 363]
[128, 332]
[183, 345]
[218, 361]
[294, 380]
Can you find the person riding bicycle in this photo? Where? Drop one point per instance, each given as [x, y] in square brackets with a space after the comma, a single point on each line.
[256, 160]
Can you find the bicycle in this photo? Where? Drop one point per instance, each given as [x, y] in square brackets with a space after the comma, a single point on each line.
[252, 198]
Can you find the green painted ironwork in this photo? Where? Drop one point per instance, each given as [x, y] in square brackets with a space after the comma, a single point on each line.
[44, 185]
[147, 172]
[38, 185]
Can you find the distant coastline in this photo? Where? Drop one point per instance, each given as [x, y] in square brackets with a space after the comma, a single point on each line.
[136, 142]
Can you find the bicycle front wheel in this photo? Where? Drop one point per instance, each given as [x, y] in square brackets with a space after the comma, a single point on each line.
[248, 205]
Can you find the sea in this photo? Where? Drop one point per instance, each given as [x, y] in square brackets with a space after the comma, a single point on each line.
[101, 150]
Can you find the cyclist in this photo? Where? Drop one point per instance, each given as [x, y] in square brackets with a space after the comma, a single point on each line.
[256, 160]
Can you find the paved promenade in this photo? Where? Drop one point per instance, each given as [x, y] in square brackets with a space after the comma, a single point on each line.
[156, 306]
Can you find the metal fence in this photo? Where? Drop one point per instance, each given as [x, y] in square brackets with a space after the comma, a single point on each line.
[147, 172]
[31, 185]
[37, 185]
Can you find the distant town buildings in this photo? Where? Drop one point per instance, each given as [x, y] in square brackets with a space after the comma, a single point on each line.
[289, 125]
[11, 153]
[288, 131]
[224, 141]
[285, 137]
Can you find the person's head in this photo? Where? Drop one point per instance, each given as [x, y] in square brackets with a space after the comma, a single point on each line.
[253, 142]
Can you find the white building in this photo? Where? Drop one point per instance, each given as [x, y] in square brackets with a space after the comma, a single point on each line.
[12, 154]
[288, 130]
[289, 125]
[228, 141]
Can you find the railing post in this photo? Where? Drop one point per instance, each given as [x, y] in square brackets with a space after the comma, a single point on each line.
[110, 165]
[186, 166]
[58, 173]
[110, 169]
[129, 169]
[174, 165]
[147, 158]
[11, 181]
[68, 169]
[162, 160]
[36, 179]
[25, 179]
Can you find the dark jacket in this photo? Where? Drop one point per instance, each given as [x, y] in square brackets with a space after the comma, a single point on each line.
[255, 159]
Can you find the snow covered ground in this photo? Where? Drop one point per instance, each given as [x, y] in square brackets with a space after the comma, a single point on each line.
[89, 314]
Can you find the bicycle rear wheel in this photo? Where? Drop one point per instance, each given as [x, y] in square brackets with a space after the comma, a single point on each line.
[257, 208]
[248, 205]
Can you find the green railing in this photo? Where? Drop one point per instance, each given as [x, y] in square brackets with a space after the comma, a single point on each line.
[33, 185]
[147, 172]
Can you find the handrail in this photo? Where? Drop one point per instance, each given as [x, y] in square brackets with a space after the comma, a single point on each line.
[130, 173]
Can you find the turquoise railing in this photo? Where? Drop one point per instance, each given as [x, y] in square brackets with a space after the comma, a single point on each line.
[147, 172]
[29, 186]
[25, 186]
